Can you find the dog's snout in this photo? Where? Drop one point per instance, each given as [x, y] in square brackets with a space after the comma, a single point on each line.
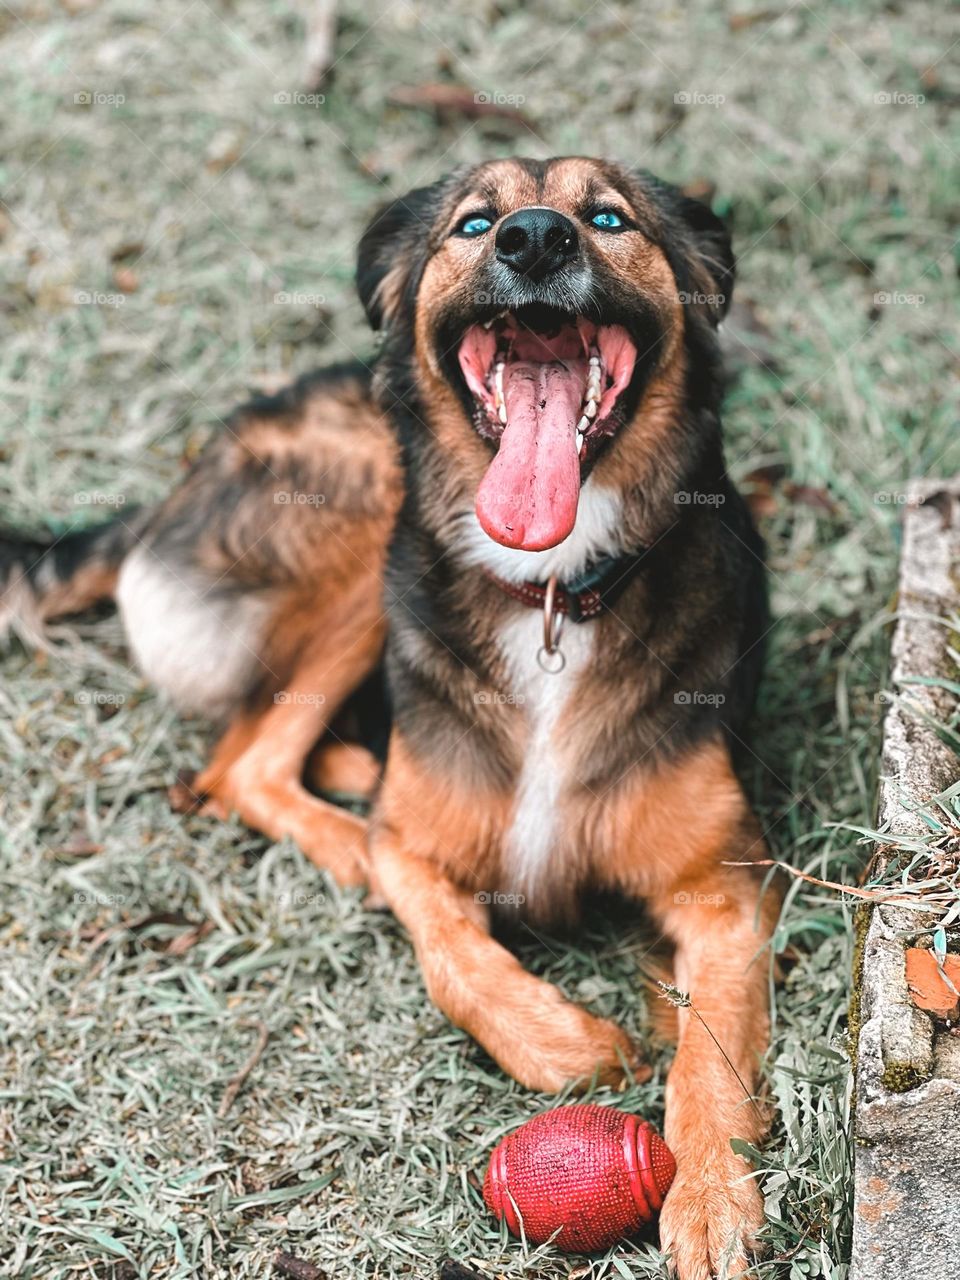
[534, 242]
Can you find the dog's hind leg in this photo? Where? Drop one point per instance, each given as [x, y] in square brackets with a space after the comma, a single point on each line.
[315, 659]
[344, 768]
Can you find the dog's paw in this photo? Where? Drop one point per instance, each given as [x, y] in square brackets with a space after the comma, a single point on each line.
[569, 1044]
[710, 1220]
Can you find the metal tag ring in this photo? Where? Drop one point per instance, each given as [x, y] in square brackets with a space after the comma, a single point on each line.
[552, 619]
[551, 661]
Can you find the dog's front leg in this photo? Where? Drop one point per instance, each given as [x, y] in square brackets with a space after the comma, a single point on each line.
[720, 927]
[677, 830]
[525, 1024]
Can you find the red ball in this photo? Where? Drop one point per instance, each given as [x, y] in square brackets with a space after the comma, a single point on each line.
[595, 1173]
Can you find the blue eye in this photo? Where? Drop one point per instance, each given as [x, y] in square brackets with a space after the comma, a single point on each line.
[606, 220]
[475, 225]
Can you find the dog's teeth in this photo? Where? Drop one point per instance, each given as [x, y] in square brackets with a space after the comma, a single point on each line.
[487, 324]
[584, 424]
[590, 409]
[498, 381]
[499, 399]
[579, 441]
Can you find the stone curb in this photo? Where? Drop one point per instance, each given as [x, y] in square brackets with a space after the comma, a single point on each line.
[907, 1115]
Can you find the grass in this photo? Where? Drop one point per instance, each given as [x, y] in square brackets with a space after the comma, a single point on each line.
[142, 952]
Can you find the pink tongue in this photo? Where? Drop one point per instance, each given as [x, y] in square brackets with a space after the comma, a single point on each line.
[528, 497]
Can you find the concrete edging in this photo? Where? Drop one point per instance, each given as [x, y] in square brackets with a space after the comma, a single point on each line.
[907, 1116]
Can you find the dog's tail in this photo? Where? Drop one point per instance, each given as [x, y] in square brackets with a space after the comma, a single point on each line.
[46, 578]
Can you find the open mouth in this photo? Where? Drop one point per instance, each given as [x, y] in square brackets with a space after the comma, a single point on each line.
[546, 387]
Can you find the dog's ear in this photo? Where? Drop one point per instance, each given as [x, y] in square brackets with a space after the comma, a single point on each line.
[393, 251]
[698, 246]
[714, 266]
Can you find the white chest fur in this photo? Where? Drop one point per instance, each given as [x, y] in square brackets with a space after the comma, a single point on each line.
[536, 831]
[597, 533]
[539, 824]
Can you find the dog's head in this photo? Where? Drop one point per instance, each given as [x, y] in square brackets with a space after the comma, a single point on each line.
[531, 305]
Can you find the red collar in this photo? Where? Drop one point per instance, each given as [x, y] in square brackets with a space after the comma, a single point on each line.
[585, 604]
[586, 596]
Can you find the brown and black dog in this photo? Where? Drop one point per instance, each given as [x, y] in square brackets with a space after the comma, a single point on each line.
[527, 503]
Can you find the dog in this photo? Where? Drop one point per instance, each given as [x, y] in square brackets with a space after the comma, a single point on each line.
[522, 517]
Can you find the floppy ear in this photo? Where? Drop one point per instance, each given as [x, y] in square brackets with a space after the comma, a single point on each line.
[393, 251]
[698, 246]
[713, 260]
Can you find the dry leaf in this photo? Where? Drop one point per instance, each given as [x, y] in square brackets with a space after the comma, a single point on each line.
[927, 986]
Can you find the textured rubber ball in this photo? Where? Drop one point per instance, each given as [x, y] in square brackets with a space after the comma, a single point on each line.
[594, 1173]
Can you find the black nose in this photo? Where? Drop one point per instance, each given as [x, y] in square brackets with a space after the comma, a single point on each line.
[534, 242]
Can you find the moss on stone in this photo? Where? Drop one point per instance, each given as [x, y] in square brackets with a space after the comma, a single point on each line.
[901, 1077]
[861, 924]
